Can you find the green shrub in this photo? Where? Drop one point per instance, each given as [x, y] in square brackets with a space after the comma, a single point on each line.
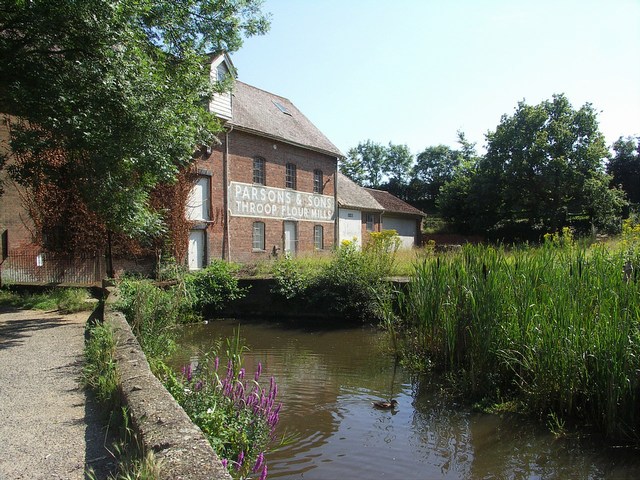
[153, 314]
[211, 288]
[352, 286]
[71, 300]
[290, 280]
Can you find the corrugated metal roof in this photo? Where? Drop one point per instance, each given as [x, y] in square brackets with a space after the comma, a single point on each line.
[393, 204]
[256, 111]
[352, 195]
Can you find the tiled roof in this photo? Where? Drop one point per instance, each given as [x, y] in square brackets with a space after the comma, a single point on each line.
[257, 111]
[393, 204]
[352, 195]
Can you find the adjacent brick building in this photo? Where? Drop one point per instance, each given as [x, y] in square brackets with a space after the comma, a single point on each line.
[365, 210]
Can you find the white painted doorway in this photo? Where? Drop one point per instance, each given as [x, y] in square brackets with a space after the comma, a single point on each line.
[290, 237]
[350, 226]
[196, 254]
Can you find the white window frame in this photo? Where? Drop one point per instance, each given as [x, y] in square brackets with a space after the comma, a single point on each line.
[198, 201]
[259, 171]
[318, 187]
[318, 237]
[258, 237]
[290, 180]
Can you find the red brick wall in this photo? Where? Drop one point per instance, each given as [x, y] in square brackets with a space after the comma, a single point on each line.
[376, 226]
[13, 217]
[242, 148]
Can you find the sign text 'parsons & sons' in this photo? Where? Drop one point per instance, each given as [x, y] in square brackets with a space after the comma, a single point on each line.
[247, 200]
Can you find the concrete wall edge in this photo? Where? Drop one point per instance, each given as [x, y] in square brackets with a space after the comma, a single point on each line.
[160, 423]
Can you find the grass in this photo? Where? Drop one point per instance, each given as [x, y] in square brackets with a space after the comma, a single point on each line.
[100, 373]
[66, 300]
[556, 328]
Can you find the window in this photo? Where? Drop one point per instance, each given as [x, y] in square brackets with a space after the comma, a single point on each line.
[282, 108]
[317, 181]
[221, 72]
[318, 237]
[370, 222]
[290, 178]
[258, 171]
[197, 207]
[258, 236]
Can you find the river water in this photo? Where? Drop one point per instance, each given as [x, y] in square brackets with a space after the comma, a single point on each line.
[327, 379]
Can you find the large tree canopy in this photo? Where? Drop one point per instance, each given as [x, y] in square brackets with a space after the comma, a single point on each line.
[118, 86]
[624, 167]
[542, 163]
[371, 164]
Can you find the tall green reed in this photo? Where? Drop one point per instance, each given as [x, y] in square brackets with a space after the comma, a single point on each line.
[555, 327]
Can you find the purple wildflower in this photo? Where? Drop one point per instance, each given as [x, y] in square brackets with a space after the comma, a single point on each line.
[258, 371]
[263, 476]
[198, 385]
[216, 363]
[224, 462]
[240, 460]
[241, 374]
[259, 462]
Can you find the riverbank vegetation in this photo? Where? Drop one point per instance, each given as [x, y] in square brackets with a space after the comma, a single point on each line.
[554, 330]
[236, 413]
[350, 285]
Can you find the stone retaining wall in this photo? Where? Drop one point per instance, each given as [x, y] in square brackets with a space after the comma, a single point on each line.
[161, 424]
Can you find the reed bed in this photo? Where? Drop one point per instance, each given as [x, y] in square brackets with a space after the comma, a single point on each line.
[554, 328]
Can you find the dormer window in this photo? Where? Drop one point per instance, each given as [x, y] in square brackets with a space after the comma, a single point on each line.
[222, 72]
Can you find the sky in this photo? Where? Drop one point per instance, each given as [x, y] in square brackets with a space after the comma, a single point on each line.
[416, 72]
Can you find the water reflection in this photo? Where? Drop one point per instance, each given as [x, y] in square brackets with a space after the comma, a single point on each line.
[327, 380]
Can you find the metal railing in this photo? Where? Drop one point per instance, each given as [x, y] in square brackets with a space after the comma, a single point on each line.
[52, 268]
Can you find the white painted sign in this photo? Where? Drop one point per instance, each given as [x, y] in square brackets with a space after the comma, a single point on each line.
[246, 200]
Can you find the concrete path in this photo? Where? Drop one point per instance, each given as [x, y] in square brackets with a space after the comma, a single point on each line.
[49, 426]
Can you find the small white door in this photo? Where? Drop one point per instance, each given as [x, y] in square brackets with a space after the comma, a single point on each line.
[350, 226]
[290, 237]
[196, 249]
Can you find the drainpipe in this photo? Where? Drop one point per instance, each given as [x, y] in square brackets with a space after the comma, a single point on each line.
[336, 208]
[226, 240]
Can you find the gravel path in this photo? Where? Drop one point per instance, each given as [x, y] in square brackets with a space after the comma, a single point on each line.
[49, 427]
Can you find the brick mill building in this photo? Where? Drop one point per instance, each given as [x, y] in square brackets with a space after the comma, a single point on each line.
[268, 186]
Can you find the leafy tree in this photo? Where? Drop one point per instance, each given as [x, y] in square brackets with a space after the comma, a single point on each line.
[542, 163]
[437, 165]
[454, 196]
[370, 164]
[603, 204]
[369, 161]
[119, 88]
[398, 162]
[539, 159]
[352, 167]
[434, 167]
[624, 167]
